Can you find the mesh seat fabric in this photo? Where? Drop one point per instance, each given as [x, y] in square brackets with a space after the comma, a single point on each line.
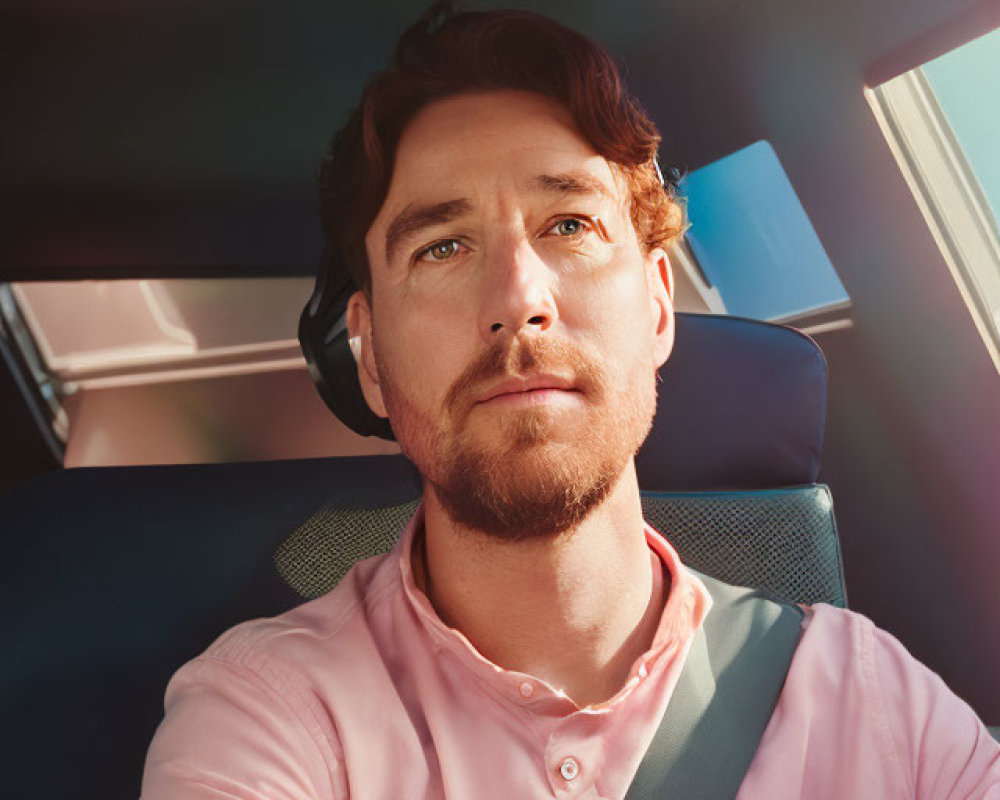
[324, 548]
[782, 541]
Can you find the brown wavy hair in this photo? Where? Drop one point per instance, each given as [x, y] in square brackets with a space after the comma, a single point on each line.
[446, 53]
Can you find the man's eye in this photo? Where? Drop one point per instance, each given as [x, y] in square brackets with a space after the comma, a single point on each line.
[439, 251]
[570, 226]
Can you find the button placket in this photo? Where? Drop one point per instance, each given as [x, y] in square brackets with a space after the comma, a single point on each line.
[572, 756]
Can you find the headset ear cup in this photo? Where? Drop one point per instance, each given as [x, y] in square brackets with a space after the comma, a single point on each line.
[324, 339]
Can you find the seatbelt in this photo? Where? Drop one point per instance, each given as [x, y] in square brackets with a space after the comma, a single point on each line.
[723, 700]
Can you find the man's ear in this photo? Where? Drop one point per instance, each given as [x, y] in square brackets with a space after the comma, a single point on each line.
[661, 295]
[359, 329]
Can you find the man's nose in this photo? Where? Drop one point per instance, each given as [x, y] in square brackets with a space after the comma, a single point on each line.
[517, 296]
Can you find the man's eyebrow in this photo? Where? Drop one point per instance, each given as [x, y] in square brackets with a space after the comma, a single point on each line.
[414, 218]
[574, 183]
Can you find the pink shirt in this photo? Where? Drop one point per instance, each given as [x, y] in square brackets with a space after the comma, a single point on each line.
[365, 693]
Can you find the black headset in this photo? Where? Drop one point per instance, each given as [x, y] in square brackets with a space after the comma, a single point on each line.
[325, 342]
[324, 339]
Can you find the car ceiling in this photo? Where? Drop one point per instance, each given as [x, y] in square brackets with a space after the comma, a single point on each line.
[143, 127]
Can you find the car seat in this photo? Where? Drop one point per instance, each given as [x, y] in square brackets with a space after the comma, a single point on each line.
[115, 576]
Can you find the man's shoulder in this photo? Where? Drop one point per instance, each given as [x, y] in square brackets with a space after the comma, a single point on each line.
[317, 628]
[847, 661]
[865, 699]
[266, 698]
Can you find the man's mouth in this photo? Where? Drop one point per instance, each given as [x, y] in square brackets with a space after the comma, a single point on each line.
[530, 390]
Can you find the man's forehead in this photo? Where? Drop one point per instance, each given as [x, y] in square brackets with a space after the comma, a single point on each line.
[471, 145]
[496, 118]
[474, 192]
[541, 174]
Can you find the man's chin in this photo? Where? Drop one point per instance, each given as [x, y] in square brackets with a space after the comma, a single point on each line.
[535, 489]
[527, 429]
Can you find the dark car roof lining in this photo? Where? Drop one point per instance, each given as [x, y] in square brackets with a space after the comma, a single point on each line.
[200, 161]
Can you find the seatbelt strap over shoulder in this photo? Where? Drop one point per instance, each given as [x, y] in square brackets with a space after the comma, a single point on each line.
[723, 700]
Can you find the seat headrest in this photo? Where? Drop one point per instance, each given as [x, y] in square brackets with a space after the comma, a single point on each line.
[742, 405]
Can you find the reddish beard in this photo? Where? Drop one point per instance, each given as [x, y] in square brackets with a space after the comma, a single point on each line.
[549, 468]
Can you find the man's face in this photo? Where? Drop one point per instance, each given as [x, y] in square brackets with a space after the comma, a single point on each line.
[516, 325]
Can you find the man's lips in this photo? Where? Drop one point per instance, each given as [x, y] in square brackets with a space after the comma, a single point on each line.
[528, 389]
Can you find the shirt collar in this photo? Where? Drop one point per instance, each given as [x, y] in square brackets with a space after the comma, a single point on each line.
[687, 605]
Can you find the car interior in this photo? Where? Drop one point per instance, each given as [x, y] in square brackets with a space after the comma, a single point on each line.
[168, 469]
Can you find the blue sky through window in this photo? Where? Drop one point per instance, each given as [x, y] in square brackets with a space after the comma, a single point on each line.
[966, 83]
[754, 240]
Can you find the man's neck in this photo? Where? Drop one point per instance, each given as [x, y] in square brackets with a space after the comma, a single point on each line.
[575, 609]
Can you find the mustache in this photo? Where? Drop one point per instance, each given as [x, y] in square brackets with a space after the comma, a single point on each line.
[518, 356]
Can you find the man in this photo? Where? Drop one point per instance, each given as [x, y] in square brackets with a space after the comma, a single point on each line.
[496, 201]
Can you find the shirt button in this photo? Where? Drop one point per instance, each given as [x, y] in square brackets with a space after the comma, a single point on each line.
[527, 690]
[569, 769]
